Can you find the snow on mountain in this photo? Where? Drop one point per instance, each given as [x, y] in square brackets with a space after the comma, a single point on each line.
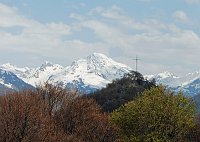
[18, 71]
[9, 81]
[189, 83]
[34, 76]
[89, 74]
[166, 78]
[86, 75]
[41, 74]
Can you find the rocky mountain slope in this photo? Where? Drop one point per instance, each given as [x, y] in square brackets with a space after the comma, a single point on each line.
[189, 84]
[86, 75]
[10, 82]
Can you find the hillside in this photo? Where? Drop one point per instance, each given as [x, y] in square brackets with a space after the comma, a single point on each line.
[121, 91]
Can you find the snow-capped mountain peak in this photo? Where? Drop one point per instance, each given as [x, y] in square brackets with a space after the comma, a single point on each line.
[12, 68]
[188, 83]
[49, 66]
[166, 78]
[9, 81]
[8, 65]
[95, 71]
[102, 60]
[96, 63]
[41, 74]
[16, 70]
[86, 74]
[99, 59]
[46, 64]
[166, 74]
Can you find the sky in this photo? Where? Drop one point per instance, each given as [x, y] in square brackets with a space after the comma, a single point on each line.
[164, 34]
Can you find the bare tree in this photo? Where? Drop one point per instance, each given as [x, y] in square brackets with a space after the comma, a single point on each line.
[50, 114]
[52, 95]
[83, 118]
[23, 117]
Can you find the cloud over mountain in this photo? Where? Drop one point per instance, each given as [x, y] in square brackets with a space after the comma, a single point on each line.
[113, 30]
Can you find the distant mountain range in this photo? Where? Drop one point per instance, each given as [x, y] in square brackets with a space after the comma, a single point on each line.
[10, 82]
[189, 84]
[87, 75]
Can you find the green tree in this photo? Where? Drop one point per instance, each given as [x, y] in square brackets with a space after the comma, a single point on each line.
[121, 91]
[156, 116]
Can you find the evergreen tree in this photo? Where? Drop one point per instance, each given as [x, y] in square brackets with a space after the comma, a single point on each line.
[121, 91]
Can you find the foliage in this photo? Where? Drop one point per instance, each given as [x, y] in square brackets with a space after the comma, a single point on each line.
[194, 134]
[158, 115]
[121, 91]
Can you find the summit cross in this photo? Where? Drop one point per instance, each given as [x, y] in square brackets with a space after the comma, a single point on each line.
[136, 63]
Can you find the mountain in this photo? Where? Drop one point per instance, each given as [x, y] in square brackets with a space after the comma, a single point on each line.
[189, 84]
[86, 75]
[90, 74]
[10, 82]
[34, 76]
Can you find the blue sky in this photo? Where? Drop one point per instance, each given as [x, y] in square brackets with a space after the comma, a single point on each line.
[165, 34]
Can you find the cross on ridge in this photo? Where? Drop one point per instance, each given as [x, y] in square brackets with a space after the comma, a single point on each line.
[136, 63]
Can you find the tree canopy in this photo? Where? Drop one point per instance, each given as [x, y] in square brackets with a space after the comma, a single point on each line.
[157, 115]
[121, 91]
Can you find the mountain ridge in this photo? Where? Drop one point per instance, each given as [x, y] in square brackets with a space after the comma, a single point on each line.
[94, 72]
[86, 74]
[189, 84]
[10, 82]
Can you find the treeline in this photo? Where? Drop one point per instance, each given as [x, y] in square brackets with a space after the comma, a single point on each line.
[130, 109]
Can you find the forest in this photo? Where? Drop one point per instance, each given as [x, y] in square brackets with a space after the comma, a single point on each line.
[130, 109]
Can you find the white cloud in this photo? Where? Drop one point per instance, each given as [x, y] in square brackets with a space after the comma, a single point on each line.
[192, 1]
[76, 16]
[161, 46]
[117, 14]
[166, 45]
[181, 16]
[9, 17]
[33, 37]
